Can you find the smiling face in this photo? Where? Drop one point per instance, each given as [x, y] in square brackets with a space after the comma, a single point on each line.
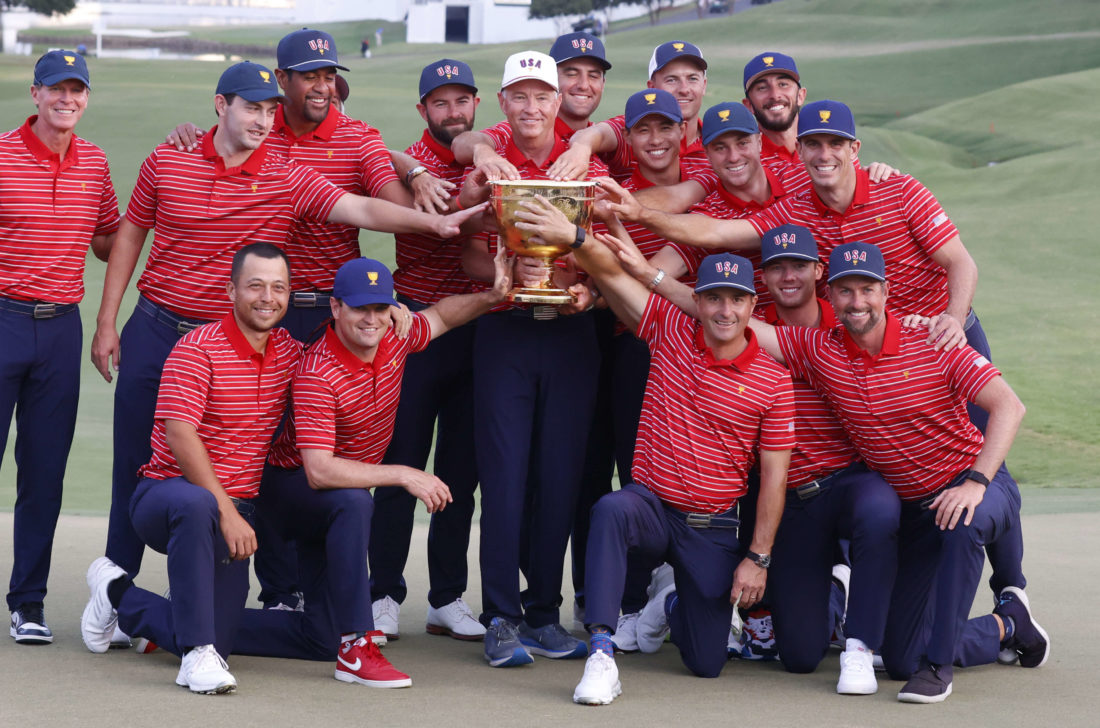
[724, 313]
[859, 303]
[828, 159]
[581, 82]
[449, 111]
[530, 107]
[61, 105]
[774, 99]
[260, 293]
[309, 94]
[792, 282]
[686, 81]
[245, 124]
[361, 328]
[735, 158]
[655, 141]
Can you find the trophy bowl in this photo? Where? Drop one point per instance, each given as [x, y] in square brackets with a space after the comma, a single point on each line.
[572, 198]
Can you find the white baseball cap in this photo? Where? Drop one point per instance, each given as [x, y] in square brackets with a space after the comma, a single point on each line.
[530, 66]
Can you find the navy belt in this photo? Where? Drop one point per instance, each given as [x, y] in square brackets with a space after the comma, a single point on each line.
[244, 506]
[158, 313]
[36, 309]
[706, 520]
[810, 490]
[310, 299]
[537, 311]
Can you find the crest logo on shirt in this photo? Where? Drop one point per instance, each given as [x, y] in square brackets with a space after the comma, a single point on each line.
[768, 60]
[330, 154]
[824, 114]
[650, 99]
[878, 220]
[678, 46]
[255, 187]
[265, 76]
[855, 257]
[741, 389]
[447, 70]
[724, 115]
[320, 45]
[83, 186]
[583, 44]
[784, 239]
[70, 60]
[372, 276]
[905, 374]
[726, 268]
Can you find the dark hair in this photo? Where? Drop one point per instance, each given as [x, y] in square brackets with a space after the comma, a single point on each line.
[260, 250]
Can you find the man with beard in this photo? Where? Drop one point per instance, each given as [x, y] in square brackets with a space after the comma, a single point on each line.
[438, 388]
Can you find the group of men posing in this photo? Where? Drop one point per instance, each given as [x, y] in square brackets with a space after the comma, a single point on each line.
[768, 412]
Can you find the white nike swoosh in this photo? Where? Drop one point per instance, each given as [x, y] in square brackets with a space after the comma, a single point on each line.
[348, 665]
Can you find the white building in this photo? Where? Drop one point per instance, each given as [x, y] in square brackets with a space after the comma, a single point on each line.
[486, 21]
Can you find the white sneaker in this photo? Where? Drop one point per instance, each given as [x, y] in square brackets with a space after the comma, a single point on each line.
[600, 684]
[97, 624]
[857, 671]
[652, 627]
[455, 620]
[204, 671]
[625, 638]
[386, 613]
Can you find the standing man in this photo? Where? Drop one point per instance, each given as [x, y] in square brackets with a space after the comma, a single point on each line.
[204, 207]
[437, 394]
[222, 395]
[903, 404]
[534, 390]
[57, 201]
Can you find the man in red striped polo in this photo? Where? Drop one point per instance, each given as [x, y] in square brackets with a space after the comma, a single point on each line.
[903, 404]
[57, 201]
[204, 207]
[222, 395]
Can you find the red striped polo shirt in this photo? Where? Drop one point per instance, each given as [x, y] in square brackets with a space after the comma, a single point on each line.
[823, 446]
[900, 216]
[204, 213]
[233, 395]
[724, 205]
[776, 158]
[702, 419]
[50, 209]
[430, 269]
[351, 155]
[344, 405]
[905, 408]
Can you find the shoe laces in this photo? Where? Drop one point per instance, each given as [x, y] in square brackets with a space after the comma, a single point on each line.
[388, 608]
[32, 612]
[208, 659]
[852, 661]
[459, 609]
[503, 630]
[627, 619]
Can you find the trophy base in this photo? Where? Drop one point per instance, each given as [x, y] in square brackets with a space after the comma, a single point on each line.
[541, 295]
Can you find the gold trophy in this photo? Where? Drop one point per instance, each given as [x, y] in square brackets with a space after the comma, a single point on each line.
[572, 198]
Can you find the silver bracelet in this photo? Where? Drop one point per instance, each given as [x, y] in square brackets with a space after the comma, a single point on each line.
[657, 279]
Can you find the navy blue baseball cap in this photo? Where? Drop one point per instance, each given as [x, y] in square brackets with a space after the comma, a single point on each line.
[307, 50]
[443, 72]
[250, 81]
[652, 101]
[579, 45]
[725, 270]
[668, 52]
[826, 117]
[788, 241]
[364, 281]
[57, 66]
[727, 116]
[857, 259]
[769, 62]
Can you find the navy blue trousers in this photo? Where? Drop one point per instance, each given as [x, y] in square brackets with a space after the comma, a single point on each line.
[40, 383]
[633, 520]
[534, 390]
[938, 575]
[331, 529]
[146, 341]
[854, 503]
[208, 589]
[437, 398]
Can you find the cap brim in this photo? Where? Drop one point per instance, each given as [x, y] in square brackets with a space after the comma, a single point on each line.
[765, 72]
[795, 256]
[602, 61]
[860, 273]
[631, 122]
[314, 65]
[827, 130]
[64, 76]
[726, 130]
[697, 60]
[448, 83]
[368, 299]
[517, 79]
[725, 284]
[259, 95]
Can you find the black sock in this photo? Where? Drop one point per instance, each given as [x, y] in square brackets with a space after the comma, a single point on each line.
[117, 588]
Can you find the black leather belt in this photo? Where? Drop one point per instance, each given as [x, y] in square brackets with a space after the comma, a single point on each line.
[810, 490]
[706, 520]
[179, 324]
[309, 299]
[36, 309]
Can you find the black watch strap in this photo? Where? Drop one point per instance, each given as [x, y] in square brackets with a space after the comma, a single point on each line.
[976, 477]
[579, 240]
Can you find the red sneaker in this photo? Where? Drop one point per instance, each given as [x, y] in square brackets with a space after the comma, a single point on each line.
[378, 637]
[362, 662]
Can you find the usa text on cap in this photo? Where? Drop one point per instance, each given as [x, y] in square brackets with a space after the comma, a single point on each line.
[673, 50]
[362, 282]
[826, 117]
[250, 81]
[530, 66]
[725, 270]
[788, 241]
[857, 259]
[307, 50]
[725, 117]
[57, 66]
[445, 71]
[579, 45]
[769, 63]
[652, 101]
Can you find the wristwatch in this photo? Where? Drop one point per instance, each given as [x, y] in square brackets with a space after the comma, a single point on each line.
[579, 240]
[976, 477]
[414, 173]
[761, 560]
